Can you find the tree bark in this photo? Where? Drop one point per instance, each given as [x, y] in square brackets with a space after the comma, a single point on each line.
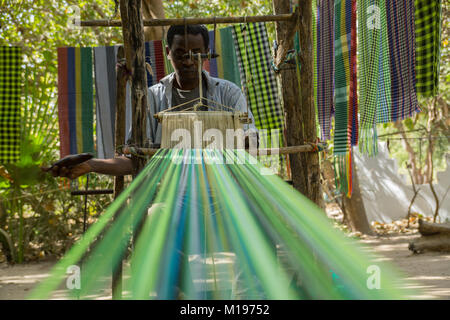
[429, 229]
[298, 104]
[355, 213]
[435, 237]
[133, 40]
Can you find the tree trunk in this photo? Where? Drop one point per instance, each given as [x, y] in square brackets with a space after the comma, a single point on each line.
[355, 213]
[429, 229]
[153, 9]
[133, 40]
[298, 104]
[435, 237]
[311, 164]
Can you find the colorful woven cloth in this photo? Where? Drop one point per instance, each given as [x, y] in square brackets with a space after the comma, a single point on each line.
[105, 99]
[428, 21]
[10, 94]
[226, 65]
[400, 16]
[257, 77]
[75, 100]
[325, 65]
[345, 21]
[154, 55]
[374, 72]
[105, 84]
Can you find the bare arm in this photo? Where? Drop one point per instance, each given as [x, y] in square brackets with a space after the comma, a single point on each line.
[119, 166]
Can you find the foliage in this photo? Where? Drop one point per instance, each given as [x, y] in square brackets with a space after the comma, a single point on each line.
[35, 209]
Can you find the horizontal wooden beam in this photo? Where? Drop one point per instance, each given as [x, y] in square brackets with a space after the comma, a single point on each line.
[260, 152]
[87, 192]
[188, 21]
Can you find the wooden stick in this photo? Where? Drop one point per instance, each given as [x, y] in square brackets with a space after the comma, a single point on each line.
[188, 21]
[260, 152]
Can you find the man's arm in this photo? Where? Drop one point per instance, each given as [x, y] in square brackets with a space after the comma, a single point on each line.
[119, 166]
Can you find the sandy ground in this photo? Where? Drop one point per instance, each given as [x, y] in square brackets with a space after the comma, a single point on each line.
[428, 271]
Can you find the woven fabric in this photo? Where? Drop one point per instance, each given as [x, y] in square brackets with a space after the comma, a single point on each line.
[400, 16]
[225, 66]
[325, 65]
[10, 94]
[105, 83]
[342, 48]
[257, 77]
[154, 55]
[75, 100]
[353, 79]
[428, 20]
[345, 90]
[374, 71]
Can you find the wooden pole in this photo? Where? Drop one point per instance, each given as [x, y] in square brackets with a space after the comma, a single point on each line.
[268, 152]
[290, 95]
[119, 139]
[183, 21]
[133, 39]
[298, 104]
[312, 164]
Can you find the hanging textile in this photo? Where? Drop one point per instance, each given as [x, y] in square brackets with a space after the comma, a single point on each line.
[400, 23]
[105, 99]
[428, 24]
[345, 90]
[105, 83]
[214, 227]
[374, 72]
[10, 95]
[154, 55]
[226, 65]
[75, 100]
[325, 65]
[257, 77]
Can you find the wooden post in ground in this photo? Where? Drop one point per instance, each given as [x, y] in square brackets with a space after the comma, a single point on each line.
[133, 41]
[298, 103]
[119, 138]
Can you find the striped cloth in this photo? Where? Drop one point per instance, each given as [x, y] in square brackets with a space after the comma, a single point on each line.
[226, 65]
[10, 94]
[400, 16]
[75, 100]
[374, 72]
[105, 99]
[257, 77]
[344, 56]
[325, 65]
[428, 21]
[105, 83]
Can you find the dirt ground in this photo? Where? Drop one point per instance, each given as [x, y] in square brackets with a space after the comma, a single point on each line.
[428, 271]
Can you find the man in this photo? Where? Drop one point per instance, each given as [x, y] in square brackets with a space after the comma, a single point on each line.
[177, 88]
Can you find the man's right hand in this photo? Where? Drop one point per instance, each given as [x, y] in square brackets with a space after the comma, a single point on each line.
[72, 172]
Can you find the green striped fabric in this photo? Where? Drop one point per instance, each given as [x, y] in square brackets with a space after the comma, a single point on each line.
[428, 20]
[373, 72]
[10, 94]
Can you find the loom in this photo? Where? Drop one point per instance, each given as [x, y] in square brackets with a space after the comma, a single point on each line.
[215, 225]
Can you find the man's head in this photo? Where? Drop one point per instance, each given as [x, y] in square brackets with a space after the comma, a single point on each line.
[177, 46]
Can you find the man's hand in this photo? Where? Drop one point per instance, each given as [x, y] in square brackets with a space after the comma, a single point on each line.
[74, 166]
[72, 172]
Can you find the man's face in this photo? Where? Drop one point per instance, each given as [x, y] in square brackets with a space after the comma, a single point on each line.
[185, 68]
